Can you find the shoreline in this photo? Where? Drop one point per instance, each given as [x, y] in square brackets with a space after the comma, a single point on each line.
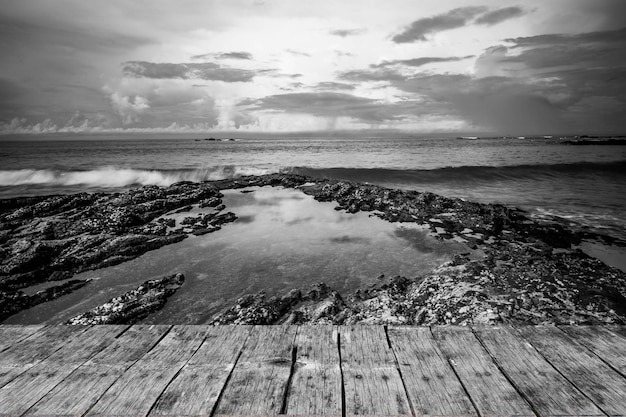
[528, 271]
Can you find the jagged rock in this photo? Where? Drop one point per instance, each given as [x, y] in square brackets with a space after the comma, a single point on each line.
[12, 302]
[520, 279]
[133, 305]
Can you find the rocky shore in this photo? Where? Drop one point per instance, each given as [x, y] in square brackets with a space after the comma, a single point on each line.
[521, 270]
[133, 305]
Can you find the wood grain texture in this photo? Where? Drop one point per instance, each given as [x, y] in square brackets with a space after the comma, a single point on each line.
[12, 334]
[490, 391]
[138, 389]
[600, 383]
[544, 387]
[77, 393]
[23, 392]
[607, 344]
[28, 352]
[316, 380]
[259, 381]
[431, 383]
[372, 382]
[266, 370]
[196, 389]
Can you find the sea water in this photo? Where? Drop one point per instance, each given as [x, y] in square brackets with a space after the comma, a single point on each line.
[283, 238]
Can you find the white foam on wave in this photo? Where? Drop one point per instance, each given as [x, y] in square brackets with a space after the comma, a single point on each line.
[120, 177]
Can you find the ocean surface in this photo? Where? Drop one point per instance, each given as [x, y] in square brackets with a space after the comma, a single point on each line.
[585, 184]
[284, 239]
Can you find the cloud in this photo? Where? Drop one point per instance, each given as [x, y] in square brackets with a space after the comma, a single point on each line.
[453, 19]
[129, 108]
[418, 62]
[331, 85]
[185, 71]
[158, 103]
[224, 55]
[497, 16]
[500, 104]
[332, 105]
[347, 32]
[297, 53]
[371, 75]
[556, 52]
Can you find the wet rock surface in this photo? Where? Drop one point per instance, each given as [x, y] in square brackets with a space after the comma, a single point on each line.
[521, 269]
[133, 305]
[52, 238]
[12, 302]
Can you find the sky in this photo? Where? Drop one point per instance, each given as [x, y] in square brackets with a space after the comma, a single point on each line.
[499, 66]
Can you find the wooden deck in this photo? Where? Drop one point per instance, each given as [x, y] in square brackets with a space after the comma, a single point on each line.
[312, 370]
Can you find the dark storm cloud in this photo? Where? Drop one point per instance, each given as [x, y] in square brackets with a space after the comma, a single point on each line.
[539, 83]
[456, 18]
[185, 71]
[500, 15]
[225, 55]
[371, 75]
[347, 32]
[418, 62]
[500, 103]
[333, 105]
[558, 52]
[331, 85]
[15, 31]
[453, 19]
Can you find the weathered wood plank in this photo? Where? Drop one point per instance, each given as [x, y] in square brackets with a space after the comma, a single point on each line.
[23, 392]
[548, 391]
[75, 395]
[488, 388]
[603, 342]
[431, 383]
[137, 390]
[258, 382]
[196, 389]
[621, 330]
[372, 382]
[28, 352]
[316, 380]
[586, 371]
[12, 334]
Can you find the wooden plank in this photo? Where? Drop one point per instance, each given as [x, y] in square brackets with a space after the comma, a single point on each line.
[137, 390]
[28, 352]
[196, 389]
[605, 387]
[12, 334]
[75, 395]
[608, 345]
[431, 383]
[488, 388]
[372, 382]
[258, 382]
[621, 330]
[548, 392]
[23, 392]
[316, 379]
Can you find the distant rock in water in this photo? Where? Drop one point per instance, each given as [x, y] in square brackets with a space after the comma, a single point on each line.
[133, 305]
[583, 142]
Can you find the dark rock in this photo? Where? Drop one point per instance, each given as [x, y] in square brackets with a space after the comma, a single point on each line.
[12, 302]
[133, 305]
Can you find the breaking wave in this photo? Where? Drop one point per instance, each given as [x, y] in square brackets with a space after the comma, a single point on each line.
[122, 177]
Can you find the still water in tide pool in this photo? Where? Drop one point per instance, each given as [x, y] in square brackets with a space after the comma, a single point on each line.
[283, 239]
